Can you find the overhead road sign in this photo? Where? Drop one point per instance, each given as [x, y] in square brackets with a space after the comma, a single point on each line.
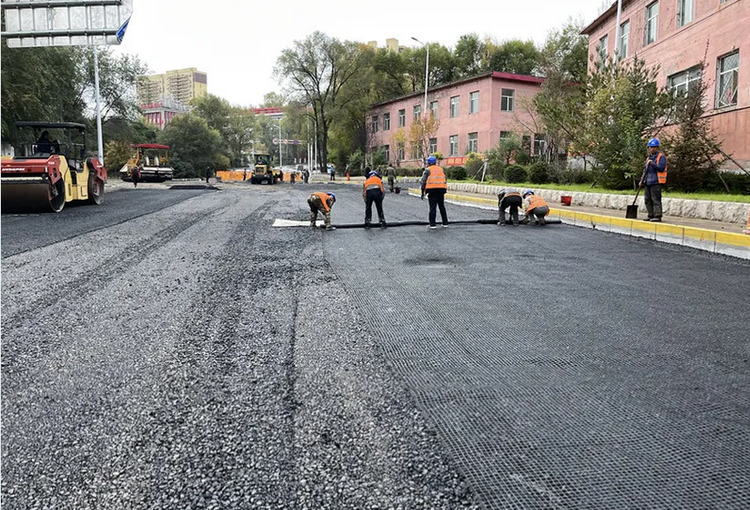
[30, 23]
[277, 141]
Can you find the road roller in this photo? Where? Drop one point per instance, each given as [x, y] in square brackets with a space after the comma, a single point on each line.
[50, 168]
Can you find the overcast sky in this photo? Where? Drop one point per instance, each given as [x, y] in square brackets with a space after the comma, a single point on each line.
[237, 42]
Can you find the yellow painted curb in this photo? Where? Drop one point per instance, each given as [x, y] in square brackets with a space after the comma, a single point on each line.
[656, 229]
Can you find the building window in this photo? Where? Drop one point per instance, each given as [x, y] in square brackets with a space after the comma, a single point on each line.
[681, 83]
[685, 12]
[434, 109]
[386, 122]
[473, 102]
[433, 145]
[453, 145]
[652, 22]
[387, 151]
[472, 145]
[374, 123]
[454, 106]
[401, 153]
[507, 98]
[540, 144]
[624, 37]
[601, 50]
[726, 82]
[401, 119]
[505, 134]
[417, 112]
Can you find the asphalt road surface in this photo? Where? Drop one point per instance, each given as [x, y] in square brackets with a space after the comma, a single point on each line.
[171, 349]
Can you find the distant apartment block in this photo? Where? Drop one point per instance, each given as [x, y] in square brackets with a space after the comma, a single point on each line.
[181, 85]
[473, 113]
[676, 35]
[391, 45]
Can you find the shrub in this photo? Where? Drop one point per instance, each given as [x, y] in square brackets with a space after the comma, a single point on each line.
[538, 173]
[523, 158]
[515, 173]
[457, 173]
[473, 164]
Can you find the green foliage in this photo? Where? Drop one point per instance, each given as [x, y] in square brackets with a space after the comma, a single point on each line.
[515, 56]
[438, 156]
[457, 173]
[194, 145]
[565, 52]
[356, 162]
[378, 158]
[523, 157]
[515, 173]
[116, 154]
[474, 164]
[467, 56]
[538, 173]
[118, 75]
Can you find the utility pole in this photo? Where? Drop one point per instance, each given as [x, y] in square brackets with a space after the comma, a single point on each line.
[617, 32]
[98, 106]
[281, 157]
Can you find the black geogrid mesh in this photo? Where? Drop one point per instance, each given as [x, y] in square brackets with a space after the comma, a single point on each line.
[552, 380]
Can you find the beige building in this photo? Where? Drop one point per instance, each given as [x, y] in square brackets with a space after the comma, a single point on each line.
[181, 85]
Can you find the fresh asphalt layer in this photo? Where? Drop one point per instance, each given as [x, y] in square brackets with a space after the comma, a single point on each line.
[195, 357]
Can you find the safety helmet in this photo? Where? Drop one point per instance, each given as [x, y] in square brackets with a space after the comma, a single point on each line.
[431, 160]
[503, 191]
[654, 142]
[527, 193]
[333, 196]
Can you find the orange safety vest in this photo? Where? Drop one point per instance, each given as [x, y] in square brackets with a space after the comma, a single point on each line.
[534, 202]
[373, 182]
[436, 179]
[512, 194]
[323, 198]
[662, 176]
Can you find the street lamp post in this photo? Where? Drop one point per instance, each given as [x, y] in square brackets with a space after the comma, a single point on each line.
[426, 73]
[281, 158]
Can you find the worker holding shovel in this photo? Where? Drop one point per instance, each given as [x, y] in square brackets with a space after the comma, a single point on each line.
[654, 177]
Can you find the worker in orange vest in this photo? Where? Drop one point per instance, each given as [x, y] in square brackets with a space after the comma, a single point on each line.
[536, 208]
[321, 202]
[373, 192]
[654, 177]
[509, 199]
[435, 185]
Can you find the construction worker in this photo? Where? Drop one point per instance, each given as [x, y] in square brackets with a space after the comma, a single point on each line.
[136, 174]
[654, 177]
[536, 208]
[373, 192]
[509, 199]
[323, 202]
[435, 185]
[391, 173]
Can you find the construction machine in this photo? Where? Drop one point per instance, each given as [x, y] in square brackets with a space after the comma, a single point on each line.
[50, 168]
[154, 161]
[262, 170]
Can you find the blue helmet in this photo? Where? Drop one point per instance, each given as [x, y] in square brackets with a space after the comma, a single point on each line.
[334, 196]
[654, 142]
[431, 160]
[527, 193]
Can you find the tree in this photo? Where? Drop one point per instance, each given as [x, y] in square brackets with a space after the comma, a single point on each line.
[467, 55]
[505, 150]
[398, 141]
[118, 76]
[420, 132]
[565, 52]
[315, 71]
[515, 56]
[116, 154]
[215, 110]
[238, 134]
[692, 147]
[194, 145]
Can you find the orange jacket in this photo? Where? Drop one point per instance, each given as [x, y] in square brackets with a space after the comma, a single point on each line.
[436, 179]
[534, 202]
[324, 197]
[373, 182]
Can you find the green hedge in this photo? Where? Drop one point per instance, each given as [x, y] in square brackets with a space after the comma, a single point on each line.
[515, 173]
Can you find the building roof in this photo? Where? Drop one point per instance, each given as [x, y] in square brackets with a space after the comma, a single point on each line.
[493, 74]
[603, 17]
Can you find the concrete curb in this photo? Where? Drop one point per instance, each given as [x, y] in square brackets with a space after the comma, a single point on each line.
[735, 245]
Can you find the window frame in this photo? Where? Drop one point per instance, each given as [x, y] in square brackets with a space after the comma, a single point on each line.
[402, 118]
[387, 121]
[624, 36]
[451, 140]
[387, 150]
[457, 104]
[719, 74]
[375, 123]
[602, 49]
[433, 111]
[507, 100]
[681, 21]
[691, 77]
[432, 146]
[473, 103]
[646, 25]
[417, 112]
[472, 142]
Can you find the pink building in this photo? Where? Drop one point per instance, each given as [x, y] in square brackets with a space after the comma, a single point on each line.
[474, 114]
[676, 34]
[159, 114]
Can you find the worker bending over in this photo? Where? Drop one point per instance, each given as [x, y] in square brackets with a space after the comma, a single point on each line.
[321, 202]
[373, 192]
[509, 199]
[435, 185]
[536, 208]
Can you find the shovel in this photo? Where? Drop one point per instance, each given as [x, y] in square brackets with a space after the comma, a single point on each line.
[632, 210]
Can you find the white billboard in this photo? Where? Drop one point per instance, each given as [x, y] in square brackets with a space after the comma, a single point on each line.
[30, 23]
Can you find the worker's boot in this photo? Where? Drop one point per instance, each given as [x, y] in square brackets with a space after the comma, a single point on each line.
[382, 224]
[542, 221]
[367, 225]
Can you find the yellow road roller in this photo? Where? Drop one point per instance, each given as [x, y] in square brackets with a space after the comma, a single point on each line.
[50, 168]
